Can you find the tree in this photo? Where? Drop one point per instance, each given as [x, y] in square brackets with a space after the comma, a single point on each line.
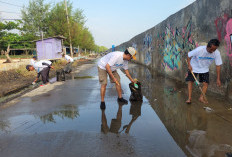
[57, 22]
[79, 17]
[35, 18]
[8, 37]
[79, 33]
[52, 20]
[5, 34]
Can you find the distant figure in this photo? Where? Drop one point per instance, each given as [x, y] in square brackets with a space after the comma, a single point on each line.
[199, 61]
[68, 67]
[67, 58]
[108, 65]
[33, 60]
[42, 68]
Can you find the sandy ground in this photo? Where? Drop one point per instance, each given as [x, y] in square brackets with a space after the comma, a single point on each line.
[16, 63]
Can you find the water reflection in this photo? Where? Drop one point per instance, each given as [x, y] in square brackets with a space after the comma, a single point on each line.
[66, 111]
[167, 98]
[201, 145]
[4, 126]
[135, 112]
[115, 125]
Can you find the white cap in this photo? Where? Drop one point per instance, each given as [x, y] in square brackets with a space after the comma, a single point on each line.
[132, 52]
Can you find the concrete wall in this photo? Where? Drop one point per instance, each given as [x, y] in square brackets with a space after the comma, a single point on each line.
[164, 47]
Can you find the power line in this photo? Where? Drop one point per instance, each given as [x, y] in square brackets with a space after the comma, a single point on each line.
[11, 4]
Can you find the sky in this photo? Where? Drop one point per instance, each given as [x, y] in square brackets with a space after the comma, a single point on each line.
[111, 22]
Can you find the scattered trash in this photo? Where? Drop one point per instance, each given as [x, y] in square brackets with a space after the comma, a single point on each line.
[136, 92]
[208, 109]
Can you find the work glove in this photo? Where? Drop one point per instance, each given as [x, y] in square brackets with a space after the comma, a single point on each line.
[33, 83]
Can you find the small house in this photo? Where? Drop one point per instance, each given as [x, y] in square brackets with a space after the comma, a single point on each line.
[49, 48]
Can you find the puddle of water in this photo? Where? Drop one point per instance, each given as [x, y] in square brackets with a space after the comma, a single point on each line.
[167, 98]
[161, 125]
[65, 112]
[135, 119]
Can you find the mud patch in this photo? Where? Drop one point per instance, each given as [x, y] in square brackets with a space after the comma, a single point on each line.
[83, 77]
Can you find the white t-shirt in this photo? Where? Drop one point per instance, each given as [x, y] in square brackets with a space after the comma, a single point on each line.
[202, 59]
[32, 61]
[115, 60]
[39, 66]
[68, 58]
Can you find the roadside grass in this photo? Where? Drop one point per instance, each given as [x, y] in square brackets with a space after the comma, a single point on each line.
[59, 64]
[21, 70]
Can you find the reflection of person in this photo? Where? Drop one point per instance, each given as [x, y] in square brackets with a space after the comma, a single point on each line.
[200, 144]
[115, 123]
[199, 61]
[109, 65]
[135, 111]
[42, 68]
[33, 60]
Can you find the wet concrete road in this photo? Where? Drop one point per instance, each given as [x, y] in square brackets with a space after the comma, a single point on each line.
[64, 119]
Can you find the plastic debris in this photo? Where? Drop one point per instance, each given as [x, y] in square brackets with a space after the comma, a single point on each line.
[208, 109]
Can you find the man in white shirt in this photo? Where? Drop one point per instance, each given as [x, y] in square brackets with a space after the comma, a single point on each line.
[68, 67]
[67, 58]
[42, 68]
[33, 60]
[199, 61]
[109, 64]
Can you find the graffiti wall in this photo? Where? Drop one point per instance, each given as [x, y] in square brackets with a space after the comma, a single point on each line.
[223, 26]
[228, 39]
[176, 43]
[164, 47]
[147, 48]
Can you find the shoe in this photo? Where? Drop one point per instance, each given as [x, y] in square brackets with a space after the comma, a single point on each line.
[229, 154]
[103, 105]
[188, 102]
[122, 100]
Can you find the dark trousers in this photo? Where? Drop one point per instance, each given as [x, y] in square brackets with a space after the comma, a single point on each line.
[45, 75]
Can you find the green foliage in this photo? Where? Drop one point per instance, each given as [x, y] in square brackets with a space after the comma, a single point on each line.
[57, 22]
[79, 17]
[6, 36]
[80, 35]
[100, 48]
[35, 17]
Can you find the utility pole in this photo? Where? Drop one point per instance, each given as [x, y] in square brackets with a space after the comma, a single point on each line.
[70, 40]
